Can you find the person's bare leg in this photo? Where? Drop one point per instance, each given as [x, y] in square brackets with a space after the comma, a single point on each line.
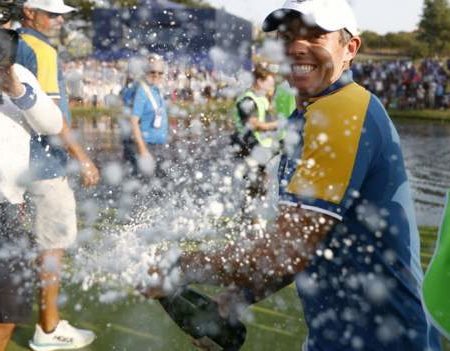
[49, 265]
[6, 331]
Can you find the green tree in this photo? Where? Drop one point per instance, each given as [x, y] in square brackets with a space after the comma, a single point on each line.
[434, 27]
[372, 40]
[401, 41]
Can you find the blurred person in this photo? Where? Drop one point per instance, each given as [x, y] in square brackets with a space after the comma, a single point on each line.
[111, 100]
[431, 94]
[257, 120]
[284, 99]
[25, 110]
[55, 223]
[75, 84]
[420, 97]
[435, 288]
[254, 118]
[346, 231]
[446, 101]
[149, 122]
[439, 95]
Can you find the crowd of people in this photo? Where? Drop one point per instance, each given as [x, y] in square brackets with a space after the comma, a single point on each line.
[345, 232]
[404, 84]
[95, 83]
[400, 84]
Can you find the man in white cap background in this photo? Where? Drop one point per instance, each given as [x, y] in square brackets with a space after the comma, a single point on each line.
[55, 223]
[346, 230]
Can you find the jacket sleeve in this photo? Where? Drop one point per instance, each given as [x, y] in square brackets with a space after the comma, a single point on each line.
[39, 110]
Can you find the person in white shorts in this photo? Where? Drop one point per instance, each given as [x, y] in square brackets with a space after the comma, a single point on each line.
[55, 220]
[55, 225]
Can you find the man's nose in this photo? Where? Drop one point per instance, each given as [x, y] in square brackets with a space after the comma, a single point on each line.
[60, 19]
[297, 47]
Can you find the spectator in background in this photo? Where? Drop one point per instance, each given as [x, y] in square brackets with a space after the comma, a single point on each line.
[75, 84]
[55, 223]
[256, 122]
[149, 121]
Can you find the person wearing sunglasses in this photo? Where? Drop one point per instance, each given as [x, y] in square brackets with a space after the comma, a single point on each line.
[149, 122]
[55, 222]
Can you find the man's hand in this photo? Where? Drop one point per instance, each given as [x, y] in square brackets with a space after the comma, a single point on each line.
[10, 83]
[90, 175]
[153, 292]
[155, 289]
[232, 303]
[146, 163]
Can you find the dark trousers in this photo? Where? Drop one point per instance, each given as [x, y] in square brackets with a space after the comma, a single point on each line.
[131, 158]
[16, 273]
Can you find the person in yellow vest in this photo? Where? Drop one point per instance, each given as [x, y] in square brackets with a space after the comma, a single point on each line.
[253, 109]
[284, 100]
[256, 123]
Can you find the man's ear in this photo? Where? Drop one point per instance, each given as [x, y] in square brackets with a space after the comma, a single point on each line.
[352, 47]
[259, 82]
[28, 13]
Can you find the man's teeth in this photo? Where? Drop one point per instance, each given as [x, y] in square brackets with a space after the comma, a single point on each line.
[302, 69]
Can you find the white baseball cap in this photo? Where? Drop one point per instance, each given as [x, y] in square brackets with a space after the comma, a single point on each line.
[55, 6]
[330, 15]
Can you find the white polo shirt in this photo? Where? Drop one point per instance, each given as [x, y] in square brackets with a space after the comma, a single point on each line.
[34, 112]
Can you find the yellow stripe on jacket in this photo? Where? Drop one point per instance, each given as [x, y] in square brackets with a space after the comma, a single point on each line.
[47, 64]
[333, 128]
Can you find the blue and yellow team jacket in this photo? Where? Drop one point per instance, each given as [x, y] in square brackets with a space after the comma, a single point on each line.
[35, 52]
[361, 291]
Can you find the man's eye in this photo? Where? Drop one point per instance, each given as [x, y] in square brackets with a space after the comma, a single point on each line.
[316, 38]
[288, 37]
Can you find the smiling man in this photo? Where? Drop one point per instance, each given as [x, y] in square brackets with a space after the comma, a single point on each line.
[346, 231]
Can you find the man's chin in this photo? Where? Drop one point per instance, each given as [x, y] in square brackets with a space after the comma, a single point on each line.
[303, 89]
[303, 92]
[53, 33]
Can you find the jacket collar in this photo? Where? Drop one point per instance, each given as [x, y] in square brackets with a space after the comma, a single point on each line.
[345, 79]
[34, 33]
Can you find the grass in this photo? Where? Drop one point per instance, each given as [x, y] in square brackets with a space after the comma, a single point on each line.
[140, 325]
[439, 115]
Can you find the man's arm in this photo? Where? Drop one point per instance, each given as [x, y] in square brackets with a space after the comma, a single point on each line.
[256, 125]
[136, 134]
[263, 264]
[40, 112]
[52, 86]
[248, 113]
[89, 172]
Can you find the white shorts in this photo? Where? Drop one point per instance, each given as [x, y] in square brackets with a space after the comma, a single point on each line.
[55, 222]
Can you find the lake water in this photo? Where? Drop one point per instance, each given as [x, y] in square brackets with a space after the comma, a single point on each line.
[425, 144]
[426, 148]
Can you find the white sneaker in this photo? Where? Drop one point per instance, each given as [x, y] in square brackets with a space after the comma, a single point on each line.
[64, 337]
